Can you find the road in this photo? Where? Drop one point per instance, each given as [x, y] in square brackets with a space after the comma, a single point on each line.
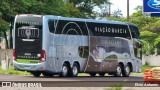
[80, 81]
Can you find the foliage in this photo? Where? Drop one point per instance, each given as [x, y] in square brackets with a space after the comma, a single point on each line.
[117, 18]
[157, 45]
[150, 30]
[153, 27]
[3, 25]
[117, 13]
[86, 6]
[148, 39]
[141, 19]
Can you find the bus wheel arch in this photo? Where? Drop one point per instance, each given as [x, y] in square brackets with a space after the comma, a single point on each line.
[78, 65]
[130, 65]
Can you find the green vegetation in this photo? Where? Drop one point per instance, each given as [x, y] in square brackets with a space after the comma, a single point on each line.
[114, 88]
[117, 87]
[146, 67]
[12, 71]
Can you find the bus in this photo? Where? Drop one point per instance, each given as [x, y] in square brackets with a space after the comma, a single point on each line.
[55, 45]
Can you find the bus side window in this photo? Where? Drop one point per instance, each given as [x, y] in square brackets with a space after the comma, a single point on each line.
[83, 51]
[51, 26]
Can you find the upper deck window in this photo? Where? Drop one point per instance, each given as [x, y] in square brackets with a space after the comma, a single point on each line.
[109, 30]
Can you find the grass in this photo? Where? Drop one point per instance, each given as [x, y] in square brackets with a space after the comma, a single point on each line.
[146, 67]
[15, 72]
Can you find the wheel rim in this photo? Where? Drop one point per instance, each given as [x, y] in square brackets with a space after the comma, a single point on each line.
[64, 70]
[127, 70]
[74, 70]
[118, 70]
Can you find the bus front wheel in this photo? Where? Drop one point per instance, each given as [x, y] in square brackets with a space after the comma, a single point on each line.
[118, 71]
[36, 74]
[74, 70]
[126, 71]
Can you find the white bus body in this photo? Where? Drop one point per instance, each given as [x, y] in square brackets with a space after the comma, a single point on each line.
[68, 46]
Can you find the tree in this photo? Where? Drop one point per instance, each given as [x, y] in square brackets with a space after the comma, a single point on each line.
[157, 45]
[117, 13]
[4, 26]
[86, 6]
[140, 19]
[148, 39]
[122, 19]
[153, 27]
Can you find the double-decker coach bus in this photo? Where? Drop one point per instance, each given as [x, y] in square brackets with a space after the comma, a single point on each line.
[49, 45]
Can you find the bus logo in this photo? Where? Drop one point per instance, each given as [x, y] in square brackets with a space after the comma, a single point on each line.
[155, 4]
[28, 33]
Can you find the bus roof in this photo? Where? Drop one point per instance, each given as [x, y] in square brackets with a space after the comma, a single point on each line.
[79, 19]
[85, 20]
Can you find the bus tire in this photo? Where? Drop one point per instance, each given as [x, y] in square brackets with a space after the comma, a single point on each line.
[101, 74]
[127, 70]
[47, 74]
[118, 71]
[74, 70]
[36, 74]
[92, 74]
[65, 70]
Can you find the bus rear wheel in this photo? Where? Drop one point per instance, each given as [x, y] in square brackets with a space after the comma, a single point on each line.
[126, 72]
[65, 70]
[36, 74]
[74, 70]
[118, 71]
[92, 74]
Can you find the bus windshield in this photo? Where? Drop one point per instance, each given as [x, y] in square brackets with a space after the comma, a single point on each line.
[134, 31]
[28, 37]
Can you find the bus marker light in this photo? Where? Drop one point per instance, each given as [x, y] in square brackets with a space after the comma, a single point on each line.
[14, 54]
[43, 56]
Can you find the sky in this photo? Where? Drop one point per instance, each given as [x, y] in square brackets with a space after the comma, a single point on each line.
[122, 5]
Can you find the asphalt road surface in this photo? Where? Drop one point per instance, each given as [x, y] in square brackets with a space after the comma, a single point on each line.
[80, 81]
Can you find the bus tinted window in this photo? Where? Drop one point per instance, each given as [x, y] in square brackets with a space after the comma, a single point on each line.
[110, 30]
[71, 28]
[29, 20]
[67, 27]
[134, 31]
[51, 26]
